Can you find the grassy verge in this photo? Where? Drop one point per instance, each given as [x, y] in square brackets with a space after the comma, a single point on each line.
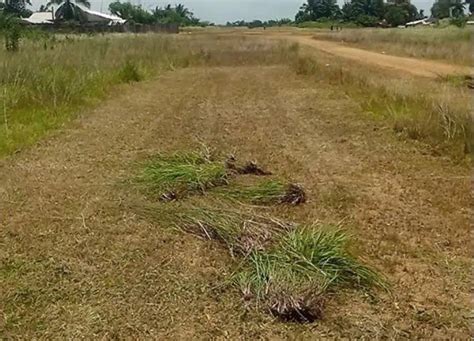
[435, 113]
[451, 44]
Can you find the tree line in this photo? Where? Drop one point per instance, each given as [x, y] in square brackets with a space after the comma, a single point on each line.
[378, 12]
[178, 14]
[359, 12]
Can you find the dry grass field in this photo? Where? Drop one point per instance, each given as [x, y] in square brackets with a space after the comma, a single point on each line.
[130, 220]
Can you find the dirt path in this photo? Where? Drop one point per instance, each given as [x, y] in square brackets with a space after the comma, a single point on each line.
[76, 261]
[412, 66]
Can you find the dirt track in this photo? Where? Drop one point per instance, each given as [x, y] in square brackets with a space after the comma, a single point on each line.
[412, 66]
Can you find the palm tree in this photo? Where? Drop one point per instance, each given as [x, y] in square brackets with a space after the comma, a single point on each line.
[68, 10]
[182, 11]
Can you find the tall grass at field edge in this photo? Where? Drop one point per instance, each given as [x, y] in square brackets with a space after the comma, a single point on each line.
[435, 113]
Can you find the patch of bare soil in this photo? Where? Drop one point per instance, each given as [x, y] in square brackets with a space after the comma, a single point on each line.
[76, 261]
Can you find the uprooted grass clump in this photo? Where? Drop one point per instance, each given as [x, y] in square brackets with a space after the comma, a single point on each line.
[266, 193]
[286, 268]
[241, 233]
[291, 278]
[172, 176]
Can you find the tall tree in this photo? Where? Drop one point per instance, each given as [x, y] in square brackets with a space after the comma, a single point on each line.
[317, 9]
[17, 7]
[68, 9]
[445, 8]
[373, 8]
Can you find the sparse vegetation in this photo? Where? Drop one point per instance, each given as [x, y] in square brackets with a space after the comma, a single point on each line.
[240, 232]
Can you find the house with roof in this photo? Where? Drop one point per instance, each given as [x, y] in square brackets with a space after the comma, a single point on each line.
[82, 14]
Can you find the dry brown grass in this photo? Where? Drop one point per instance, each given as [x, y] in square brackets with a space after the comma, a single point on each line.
[434, 113]
[449, 44]
[77, 262]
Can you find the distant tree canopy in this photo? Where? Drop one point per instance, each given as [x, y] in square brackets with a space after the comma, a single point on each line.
[362, 12]
[16, 8]
[260, 23]
[178, 14]
[318, 9]
[442, 8]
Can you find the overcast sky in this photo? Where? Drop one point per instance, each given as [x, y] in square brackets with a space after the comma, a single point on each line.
[221, 11]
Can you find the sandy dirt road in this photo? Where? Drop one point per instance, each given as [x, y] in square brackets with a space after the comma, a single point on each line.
[76, 260]
[411, 66]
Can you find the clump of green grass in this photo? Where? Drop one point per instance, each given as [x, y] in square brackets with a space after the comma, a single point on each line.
[172, 176]
[240, 232]
[130, 72]
[291, 278]
[266, 193]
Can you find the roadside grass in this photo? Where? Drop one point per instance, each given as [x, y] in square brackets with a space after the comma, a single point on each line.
[69, 72]
[437, 114]
[450, 44]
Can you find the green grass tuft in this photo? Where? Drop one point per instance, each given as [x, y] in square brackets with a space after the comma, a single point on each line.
[291, 278]
[265, 193]
[130, 72]
[182, 172]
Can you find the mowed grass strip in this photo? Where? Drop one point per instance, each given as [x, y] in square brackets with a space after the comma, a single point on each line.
[173, 176]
